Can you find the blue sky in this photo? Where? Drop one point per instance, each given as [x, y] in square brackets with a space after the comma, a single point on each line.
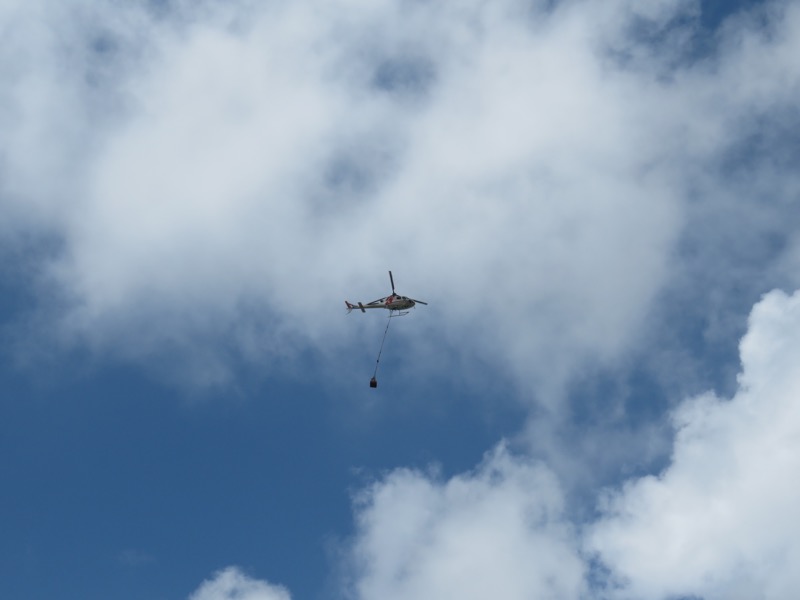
[599, 200]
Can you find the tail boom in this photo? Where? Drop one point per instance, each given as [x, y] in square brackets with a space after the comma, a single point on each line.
[350, 306]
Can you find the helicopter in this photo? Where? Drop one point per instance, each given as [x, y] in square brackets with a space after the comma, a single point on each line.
[393, 303]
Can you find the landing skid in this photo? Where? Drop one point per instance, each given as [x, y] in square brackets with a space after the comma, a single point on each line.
[399, 313]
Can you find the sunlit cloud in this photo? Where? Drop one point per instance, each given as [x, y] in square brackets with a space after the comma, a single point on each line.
[235, 172]
[233, 584]
[499, 531]
[719, 522]
[224, 169]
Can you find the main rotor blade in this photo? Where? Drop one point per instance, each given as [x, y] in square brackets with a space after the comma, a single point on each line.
[419, 301]
[392, 280]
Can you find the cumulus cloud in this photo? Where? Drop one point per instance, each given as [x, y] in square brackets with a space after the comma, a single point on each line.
[233, 172]
[499, 531]
[721, 520]
[232, 584]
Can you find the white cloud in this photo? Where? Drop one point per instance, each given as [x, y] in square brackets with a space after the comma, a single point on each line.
[719, 522]
[234, 172]
[497, 532]
[722, 520]
[232, 584]
[218, 188]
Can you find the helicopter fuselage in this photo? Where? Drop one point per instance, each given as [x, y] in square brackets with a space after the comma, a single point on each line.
[398, 303]
[392, 302]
